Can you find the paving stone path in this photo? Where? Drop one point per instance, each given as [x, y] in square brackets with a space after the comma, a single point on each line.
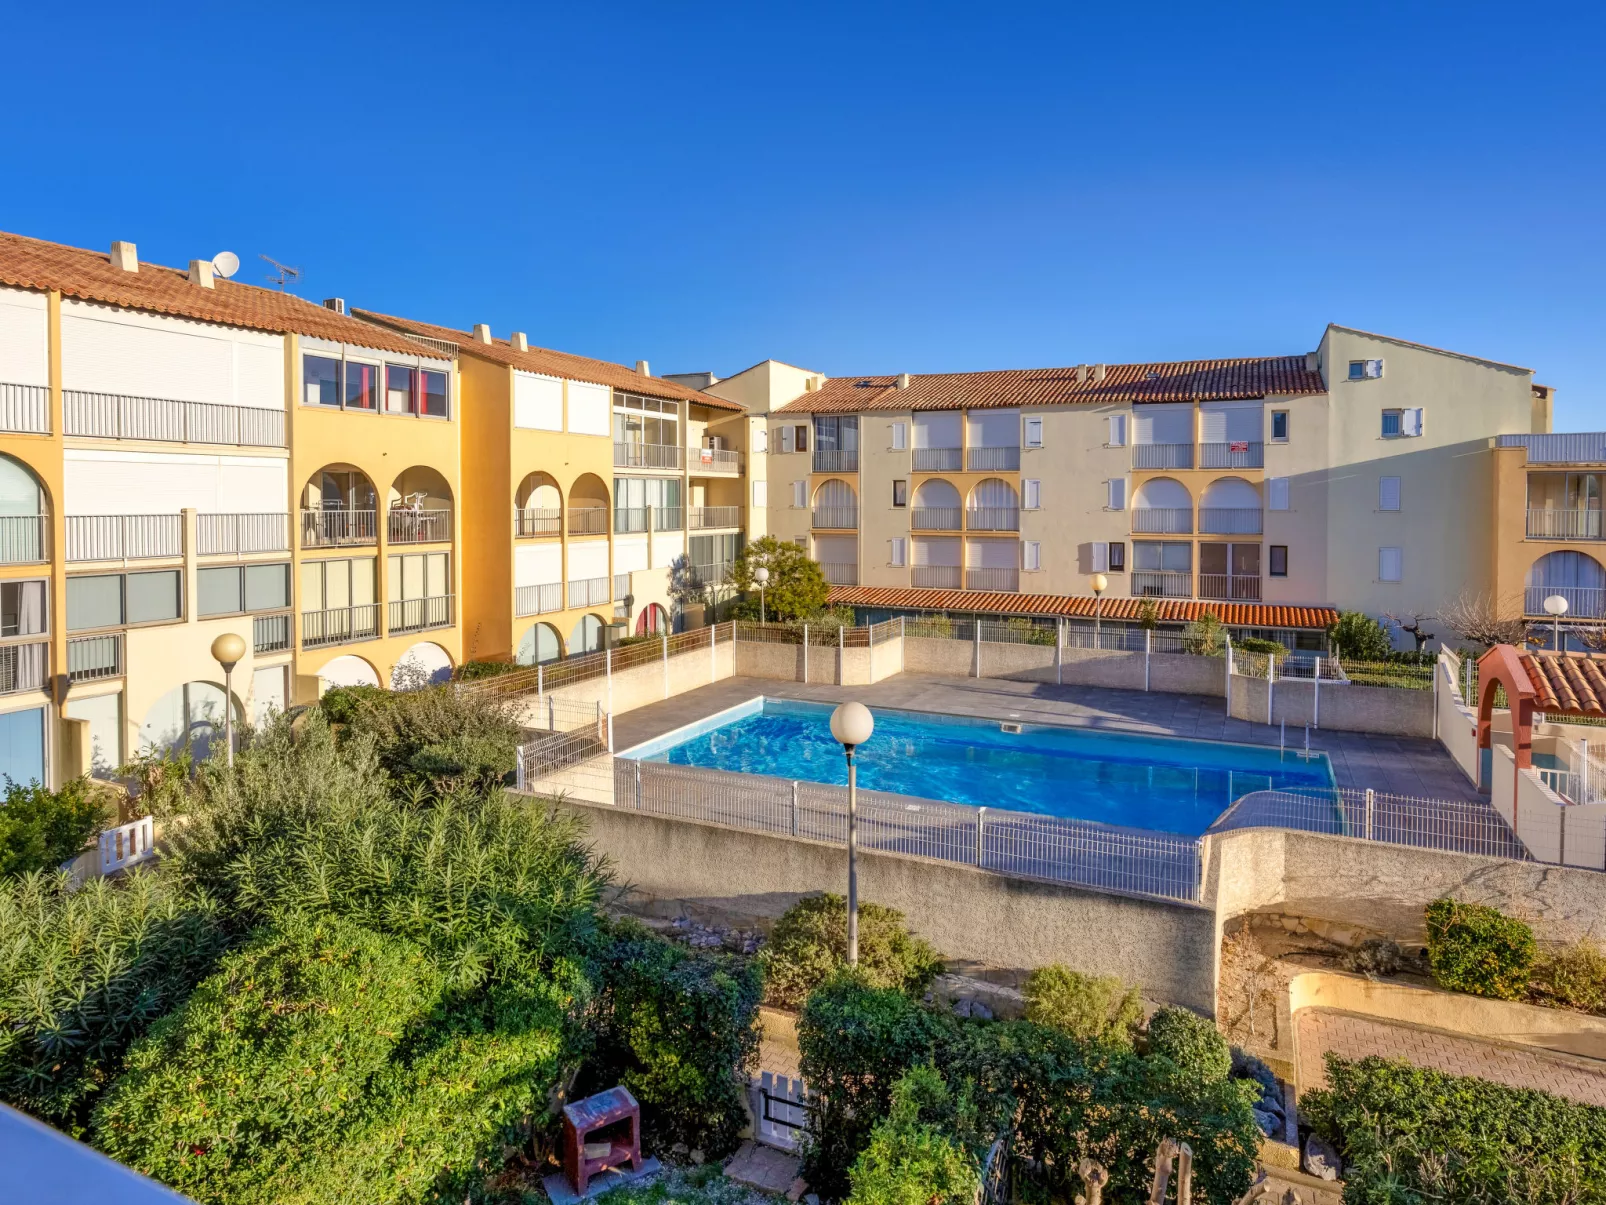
[1355, 1037]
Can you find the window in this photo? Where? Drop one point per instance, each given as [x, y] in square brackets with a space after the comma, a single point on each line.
[152, 597]
[1115, 493]
[800, 491]
[1398, 424]
[802, 438]
[417, 575]
[1031, 493]
[320, 380]
[1034, 433]
[1276, 493]
[900, 436]
[761, 494]
[801, 541]
[900, 556]
[113, 599]
[1362, 370]
[1117, 557]
[22, 609]
[94, 602]
[1162, 556]
[435, 391]
[1032, 555]
[362, 385]
[1390, 562]
[900, 493]
[398, 389]
[1117, 435]
[267, 587]
[219, 591]
[336, 585]
[1279, 426]
[1392, 426]
[1388, 493]
[1278, 562]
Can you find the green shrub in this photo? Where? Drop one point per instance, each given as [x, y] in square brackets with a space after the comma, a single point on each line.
[1191, 1042]
[429, 733]
[1094, 1008]
[342, 703]
[680, 1030]
[1267, 648]
[1204, 636]
[40, 829]
[473, 671]
[1574, 977]
[915, 1157]
[809, 944]
[1357, 636]
[1407, 1134]
[83, 973]
[796, 589]
[1476, 949]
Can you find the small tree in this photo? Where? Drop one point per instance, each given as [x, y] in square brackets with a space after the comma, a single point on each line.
[1204, 635]
[1413, 626]
[1358, 637]
[796, 588]
[1483, 620]
[1148, 615]
[1092, 1008]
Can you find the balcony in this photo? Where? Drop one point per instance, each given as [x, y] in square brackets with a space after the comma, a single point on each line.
[1001, 580]
[1162, 520]
[420, 614]
[124, 537]
[588, 592]
[1161, 583]
[621, 585]
[836, 460]
[994, 460]
[713, 573]
[25, 408]
[668, 518]
[119, 416]
[588, 521]
[22, 666]
[270, 633]
[91, 658]
[939, 460]
[840, 573]
[993, 518]
[1234, 586]
[1583, 602]
[532, 521]
[1230, 520]
[629, 454]
[1564, 524]
[538, 600]
[1236, 454]
[338, 528]
[24, 539]
[938, 577]
[705, 518]
[936, 518]
[1162, 456]
[628, 520]
[841, 518]
[716, 460]
[340, 625]
[409, 526]
[237, 534]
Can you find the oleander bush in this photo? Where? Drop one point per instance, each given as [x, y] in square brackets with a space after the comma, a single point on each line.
[1477, 949]
[473, 671]
[40, 829]
[1192, 1043]
[431, 732]
[1573, 977]
[1407, 1134]
[919, 1153]
[1094, 1008]
[809, 944]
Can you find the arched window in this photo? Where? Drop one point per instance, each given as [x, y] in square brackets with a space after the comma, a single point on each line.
[836, 505]
[586, 637]
[994, 506]
[541, 643]
[22, 510]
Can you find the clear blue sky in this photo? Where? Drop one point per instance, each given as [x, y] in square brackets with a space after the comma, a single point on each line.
[853, 188]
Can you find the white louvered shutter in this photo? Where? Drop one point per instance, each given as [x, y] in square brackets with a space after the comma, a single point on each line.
[1277, 493]
[1116, 487]
[1034, 433]
[1390, 564]
[786, 439]
[1031, 493]
[1117, 431]
[1033, 554]
[1388, 493]
[800, 489]
[900, 436]
[1101, 557]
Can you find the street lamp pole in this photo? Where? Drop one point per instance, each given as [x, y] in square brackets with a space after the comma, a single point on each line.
[1100, 584]
[1556, 607]
[851, 725]
[227, 650]
[762, 575]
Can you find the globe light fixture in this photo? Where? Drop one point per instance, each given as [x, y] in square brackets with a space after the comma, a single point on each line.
[227, 650]
[1100, 584]
[1555, 607]
[761, 575]
[852, 725]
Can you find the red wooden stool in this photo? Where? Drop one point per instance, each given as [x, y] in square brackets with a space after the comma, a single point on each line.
[616, 1117]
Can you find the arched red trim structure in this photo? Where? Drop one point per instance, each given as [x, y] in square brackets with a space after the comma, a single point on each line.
[1502, 666]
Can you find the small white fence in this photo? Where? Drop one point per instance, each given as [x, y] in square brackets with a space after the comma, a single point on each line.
[126, 845]
[1468, 827]
[780, 1110]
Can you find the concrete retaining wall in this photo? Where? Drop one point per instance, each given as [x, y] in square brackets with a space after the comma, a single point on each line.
[643, 684]
[1344, 707]
[827, 664]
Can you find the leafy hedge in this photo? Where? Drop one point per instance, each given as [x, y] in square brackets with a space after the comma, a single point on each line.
[1094, 1008]
[1476, 949]
[919, 1154]
[1408, 1135]
[809, 944]
[1192, 1043]
[41, 829]
[430, 733]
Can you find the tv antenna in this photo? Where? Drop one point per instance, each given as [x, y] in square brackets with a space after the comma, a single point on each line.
[285, 273]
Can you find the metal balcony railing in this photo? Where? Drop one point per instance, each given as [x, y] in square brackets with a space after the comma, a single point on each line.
[621, 585]
[712, 573]
[420, 614]
[993, 460]
[218, 534]
[588, 592]
[836, 460]
[1005, 580]
[668, 518]
[628, 519]
[588, 520]
[992, 518]
[716, 460]
[337, 528]
[844, 518]
[1161, 583]
[341, 625]
[938, 577]
[537, 521]
[1230, 520]
[538, 600]
[271, 633]
[22, 666]
[24, 539]
[25, 408]
[939, 460]
[1583, 602]
[1162, 456]
[840, 573]
[409, 526]
[90, 658]
[1234, 454]
[1564, 524]
[1162, 520]
[936, 518]
[124, 537]
[120, 416]
[629, 454]
[705, 517]
[1235, 586]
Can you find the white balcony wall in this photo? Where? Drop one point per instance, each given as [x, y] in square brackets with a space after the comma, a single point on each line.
[937, 429]
[588, 559]
[1226, 422]
[836, 550]
[992, 554]
[946, 552]
[537, 402]
[1163, 424]
[152, 483]
[994, 428]
[106, 350]
[590, 409]
[629, 554]
[537, 564]
[667, 546]
[24, 338]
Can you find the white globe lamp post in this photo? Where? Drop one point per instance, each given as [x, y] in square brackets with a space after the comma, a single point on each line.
[1555, 607]
[761, 575]
[851, 725]
[227, 650]
[1100, 584]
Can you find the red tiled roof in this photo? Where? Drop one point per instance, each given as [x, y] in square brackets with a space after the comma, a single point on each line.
[556, 363]
[1182, 381]
[1170, 610]
[30, 263]
[1568, 683]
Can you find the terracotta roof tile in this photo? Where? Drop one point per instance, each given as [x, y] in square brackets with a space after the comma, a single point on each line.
[1570, 683]
[556, 363]
[1181, 381]
[29, 263]
[1171, 610]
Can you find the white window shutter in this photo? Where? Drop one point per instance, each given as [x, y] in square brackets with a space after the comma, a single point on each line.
[898, 555]
[1033, 554]
[900, 436]
[1277, 493]
[786, 439]
[1117, 493]
[1390, 564]
[1034, 433]
[1101, 557]
[1411, 421]
[1374, 368]
[761, 440]
[761, 494]
[800, 491]
[1032, 491]
[1117, 430]
[1388, 493]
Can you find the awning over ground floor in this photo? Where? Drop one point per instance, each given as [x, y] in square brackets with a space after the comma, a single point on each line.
[1167, 610]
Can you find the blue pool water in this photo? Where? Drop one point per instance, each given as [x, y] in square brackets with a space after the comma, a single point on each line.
[1161, 783]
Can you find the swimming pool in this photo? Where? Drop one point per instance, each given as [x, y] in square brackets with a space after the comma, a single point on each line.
[1161, 783]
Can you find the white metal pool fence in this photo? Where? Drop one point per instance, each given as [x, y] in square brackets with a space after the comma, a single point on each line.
[1455, 826]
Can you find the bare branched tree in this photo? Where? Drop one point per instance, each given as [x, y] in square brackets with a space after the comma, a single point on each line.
[1413, 626]
[1484, 620]
[1591, 635]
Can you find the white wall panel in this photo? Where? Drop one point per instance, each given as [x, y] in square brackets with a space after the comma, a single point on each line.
[940, 551]
[994, 428]
[1162, 424]
[629, 555]
[150, 483]
[537, 564]
[667, 547]
[24, 338]
[590, 409]
[992, 554]
[937, 429]
[836, 550]
[589, 559]
[537, 402]
[258, 371]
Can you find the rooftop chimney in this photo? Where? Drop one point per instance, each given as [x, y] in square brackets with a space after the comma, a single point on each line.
[519, 342]
[482, 332]
[1099, 372]
[337, 304]
[201, 273]
[642, 368]
[1081, 374]
[903, 380]
[124, 256]
[1310, 361]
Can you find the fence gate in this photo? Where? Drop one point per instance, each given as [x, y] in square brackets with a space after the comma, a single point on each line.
[778, 1112]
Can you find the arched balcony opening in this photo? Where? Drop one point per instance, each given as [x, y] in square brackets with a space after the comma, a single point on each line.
[937, 507]
[993, 506]
[587, 635]
[24, 517]
[1230, 506]
[538, 507]
[541, 643]
[419, 508]
[1575, 576]
[588, 506]
[836, 505]
[1162, 506]
[338, 508]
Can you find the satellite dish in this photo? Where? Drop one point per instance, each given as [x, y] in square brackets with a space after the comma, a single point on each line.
[225, 264]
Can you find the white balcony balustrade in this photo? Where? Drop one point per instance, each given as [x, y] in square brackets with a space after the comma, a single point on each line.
[271, 633]
[938, 577]
[338, 528]
[1233, 454]
[1162, 456]
[1162, 520]
[90, 658]
[936, 518]
[420, 614]
[1230, 520]
[1161, 583]
[840, 518]
[628, 454]
[217, 535]
[25, 408]
[840, 573]
[341, 625]
[24, 539]
[588, 521]
[1560, 524]
[992, 518]
[23, 665]
[124, 537]
[405, 525]
[531, 521]
[538, 600]
[704, 518]
[588, 592]
[994, 460]
[998, 580]
[120, 416]
[938, 460]
[1237, 587]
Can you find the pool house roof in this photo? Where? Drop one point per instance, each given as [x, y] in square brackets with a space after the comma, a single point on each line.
[1169, 610]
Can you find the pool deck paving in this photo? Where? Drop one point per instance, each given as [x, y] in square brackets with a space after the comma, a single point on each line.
[1392, 765]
